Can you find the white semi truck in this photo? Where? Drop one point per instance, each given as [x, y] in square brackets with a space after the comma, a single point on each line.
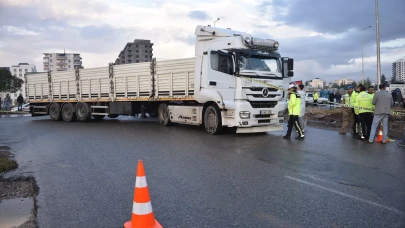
[222, 86]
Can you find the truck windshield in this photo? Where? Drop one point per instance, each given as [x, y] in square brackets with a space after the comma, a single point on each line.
[256, 63]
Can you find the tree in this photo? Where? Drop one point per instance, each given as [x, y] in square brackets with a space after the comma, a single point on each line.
[384, 80]
[354, 84]
[8, 82]
[367, 83]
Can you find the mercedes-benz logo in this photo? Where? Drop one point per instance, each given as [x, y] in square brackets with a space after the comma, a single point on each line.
[265, 92]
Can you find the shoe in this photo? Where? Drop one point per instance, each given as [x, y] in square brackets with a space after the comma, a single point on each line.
[342, 133]
[369, 142]
[383, 142]
[299, 137]
[401, 144]
[286, 137]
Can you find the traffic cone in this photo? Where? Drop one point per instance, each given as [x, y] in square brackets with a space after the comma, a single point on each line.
[142, 213]
[380, 136]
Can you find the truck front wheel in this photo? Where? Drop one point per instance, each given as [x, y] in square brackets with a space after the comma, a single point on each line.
[212, 120]
[164, 115]
[54, 112]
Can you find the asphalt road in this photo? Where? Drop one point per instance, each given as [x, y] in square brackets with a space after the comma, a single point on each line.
[86, 174]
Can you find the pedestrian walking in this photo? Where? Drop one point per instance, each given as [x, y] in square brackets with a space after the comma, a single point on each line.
[347, 112]
[365, 100]
[316, 97]
[338, 97]
[402, 143]
[394, 96]
[294, 111]
[400, 99]
[382, 101]
[331, 99]
[7, 102]
[301, 118]
[0, 103]
[356, 123]
[20, 101]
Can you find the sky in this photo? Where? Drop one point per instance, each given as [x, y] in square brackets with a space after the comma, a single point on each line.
[324, 37]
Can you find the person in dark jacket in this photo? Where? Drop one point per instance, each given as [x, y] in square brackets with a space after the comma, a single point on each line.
[20, 101]
[394, 96]
[331, 98]
[400, 99]
[338, 97]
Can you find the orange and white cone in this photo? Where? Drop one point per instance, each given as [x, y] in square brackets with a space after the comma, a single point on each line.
[380, 136]
[142, 213]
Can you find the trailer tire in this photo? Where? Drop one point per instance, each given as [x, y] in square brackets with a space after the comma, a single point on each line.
[55, 112]
[164, 115]
[83, 112]
[113, 116]
[212, 120]
[98, 117]
[68, 113]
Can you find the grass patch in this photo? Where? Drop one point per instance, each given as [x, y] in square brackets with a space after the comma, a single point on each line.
[7, 164]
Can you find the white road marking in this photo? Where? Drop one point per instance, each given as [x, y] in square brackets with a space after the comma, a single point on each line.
[346, 195]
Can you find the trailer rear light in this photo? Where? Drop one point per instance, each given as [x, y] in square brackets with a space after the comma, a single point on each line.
[244, 115]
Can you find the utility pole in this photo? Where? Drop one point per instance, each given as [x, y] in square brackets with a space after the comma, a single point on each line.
[378, 43]
[362, 53]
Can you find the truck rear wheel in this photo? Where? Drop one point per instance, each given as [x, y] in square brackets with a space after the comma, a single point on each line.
[164, 115]
[112, 116]
[212, 120]
[68, 113]
[83, 111]
[54, 112]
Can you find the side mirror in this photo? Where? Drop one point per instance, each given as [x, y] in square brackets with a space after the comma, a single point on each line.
[287, 67]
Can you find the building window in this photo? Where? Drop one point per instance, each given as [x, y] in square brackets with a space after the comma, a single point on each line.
[136, 46]
[146, 51]
[20, 75]
[15, 70]
[69, 61]
[26, 70]
[137, 56]
[146, 56]
[137, 51]
[50, 60]
[19, 70]
[150, 51]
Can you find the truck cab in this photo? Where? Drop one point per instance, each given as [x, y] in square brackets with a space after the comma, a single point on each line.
[235, 71]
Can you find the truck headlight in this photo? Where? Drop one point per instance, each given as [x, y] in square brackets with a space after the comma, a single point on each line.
[281, 113]
[244, 115]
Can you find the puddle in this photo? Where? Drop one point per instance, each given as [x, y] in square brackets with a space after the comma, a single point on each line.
[14, 212]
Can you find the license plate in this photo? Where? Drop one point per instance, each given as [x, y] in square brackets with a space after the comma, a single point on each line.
[265, 112]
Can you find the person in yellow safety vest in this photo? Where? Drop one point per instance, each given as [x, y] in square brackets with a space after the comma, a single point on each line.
[347, 112]
[365, 100]
[356, 122]
[294, 110]
[316, 97]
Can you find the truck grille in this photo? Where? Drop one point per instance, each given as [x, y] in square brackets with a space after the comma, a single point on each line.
[263, 104]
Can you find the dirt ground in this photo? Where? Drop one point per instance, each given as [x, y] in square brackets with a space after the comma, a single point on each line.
[17, 187]
[333, 119]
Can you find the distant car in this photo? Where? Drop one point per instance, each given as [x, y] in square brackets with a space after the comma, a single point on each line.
[309, 99]
[25, 108]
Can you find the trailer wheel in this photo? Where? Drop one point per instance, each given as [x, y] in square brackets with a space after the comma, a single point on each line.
[83, 111]
[98, 117]
[112, 116]
[68, 113]
[54, 112]
[212, 120]
[163, 114]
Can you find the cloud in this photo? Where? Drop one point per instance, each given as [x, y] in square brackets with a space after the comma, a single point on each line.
[198, 15]
[19, 31]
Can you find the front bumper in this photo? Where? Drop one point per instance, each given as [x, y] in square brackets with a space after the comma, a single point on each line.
[257, 122]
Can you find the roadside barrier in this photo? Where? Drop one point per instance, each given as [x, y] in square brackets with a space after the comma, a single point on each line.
[142, 213]
[393, 112]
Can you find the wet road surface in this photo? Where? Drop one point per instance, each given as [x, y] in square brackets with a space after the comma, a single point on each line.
[86, 174]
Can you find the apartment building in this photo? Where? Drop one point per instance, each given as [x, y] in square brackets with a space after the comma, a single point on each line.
[136, 52]
[62, 61]
[344, 81]
[398, 70]
[19, 71]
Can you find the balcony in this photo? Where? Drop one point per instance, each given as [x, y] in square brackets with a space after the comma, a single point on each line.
[76, 57]
[61, 63]
[77, 62]
[61, 69]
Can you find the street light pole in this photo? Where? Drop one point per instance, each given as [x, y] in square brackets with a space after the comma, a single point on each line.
[378, 43]
[362, 52]
[216, 20]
